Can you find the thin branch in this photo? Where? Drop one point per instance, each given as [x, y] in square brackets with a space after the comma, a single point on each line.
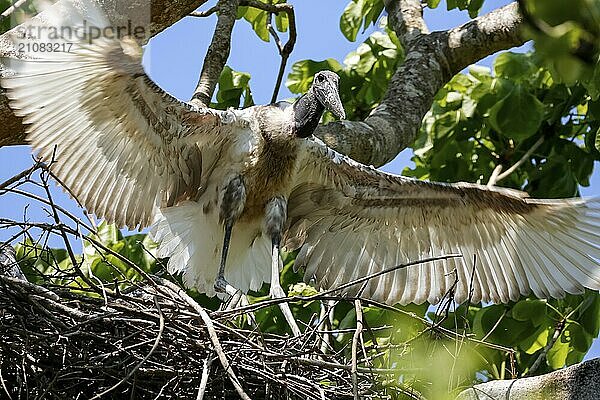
[212, 334]
[206, 13]
[494, 177]
[284, 50]
[322, 295]
[21, 175]
[204, 379]
[161, 328]
[11, 9]
[217, 53]
[516, 165]
[355, 339]
[63, 234]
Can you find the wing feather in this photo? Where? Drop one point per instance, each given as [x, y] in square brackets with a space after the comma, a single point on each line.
[122, 145]
[379, 220]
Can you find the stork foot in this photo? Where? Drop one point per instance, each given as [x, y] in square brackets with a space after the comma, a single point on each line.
[222, 286]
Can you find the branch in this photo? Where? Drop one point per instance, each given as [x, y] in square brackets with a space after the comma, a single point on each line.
[10, 10]
[355, 338]
[431, 61]
[203, 14]
[406, 16]
[497, 176]
[284, 50]
[217, 53]
[581, 382]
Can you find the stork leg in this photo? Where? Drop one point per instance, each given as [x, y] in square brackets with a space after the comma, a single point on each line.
[221, 284]
[232, 199]
[275, 216]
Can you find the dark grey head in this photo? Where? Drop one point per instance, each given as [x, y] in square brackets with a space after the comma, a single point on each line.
[322, 95]
[325, 86]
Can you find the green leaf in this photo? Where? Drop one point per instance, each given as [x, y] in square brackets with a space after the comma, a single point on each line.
[592, 84]
[515, 66]
[258, 19]
[597, 140]
[474, 7]
[530, 310]
[433, 3]
[374, 9]
[580, 340]
[282, 22]
[557, 355]
[536, 340]
[108, 233]
[351, 19]
[553, 179]
[518, 115]
[359, 13]
[590, 317]
[593, 109]
[233, 86]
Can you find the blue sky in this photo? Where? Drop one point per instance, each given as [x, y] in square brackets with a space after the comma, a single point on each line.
[174, 59]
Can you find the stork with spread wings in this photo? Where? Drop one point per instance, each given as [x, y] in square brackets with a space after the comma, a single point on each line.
[224, 189]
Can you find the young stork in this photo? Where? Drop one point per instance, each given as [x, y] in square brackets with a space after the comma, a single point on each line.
[223, 189]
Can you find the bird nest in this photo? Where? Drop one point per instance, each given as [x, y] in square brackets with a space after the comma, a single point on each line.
[157, 342]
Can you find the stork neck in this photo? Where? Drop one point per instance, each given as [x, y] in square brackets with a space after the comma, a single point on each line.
[307, 113]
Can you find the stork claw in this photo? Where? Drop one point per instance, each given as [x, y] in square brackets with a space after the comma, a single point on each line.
[222, 286]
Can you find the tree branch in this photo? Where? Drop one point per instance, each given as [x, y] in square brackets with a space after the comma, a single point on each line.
[580, 381]
[217, 53]
[406, 18]
[431, 61]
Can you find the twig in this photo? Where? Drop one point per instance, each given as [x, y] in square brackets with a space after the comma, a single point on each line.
[204, 379]
[59, 208]
[212, 334]
[4, 385]
[284, 50]
[161, 328]
[560, 326]
[203, 14]
[499, 176]
[21, 175]
[76, 265]
[494, 177]
[355, 339]
[217, 53]
[6, 13]
[322, 295]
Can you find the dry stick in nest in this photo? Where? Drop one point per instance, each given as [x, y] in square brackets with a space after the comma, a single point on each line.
[204, 379]
[161, 329]
[355, 338]
[212, 334]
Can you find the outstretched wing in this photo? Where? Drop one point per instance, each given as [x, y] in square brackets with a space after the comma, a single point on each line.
[121, 144]
[351, 220]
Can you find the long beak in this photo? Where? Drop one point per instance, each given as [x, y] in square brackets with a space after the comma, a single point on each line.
[333, 103]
